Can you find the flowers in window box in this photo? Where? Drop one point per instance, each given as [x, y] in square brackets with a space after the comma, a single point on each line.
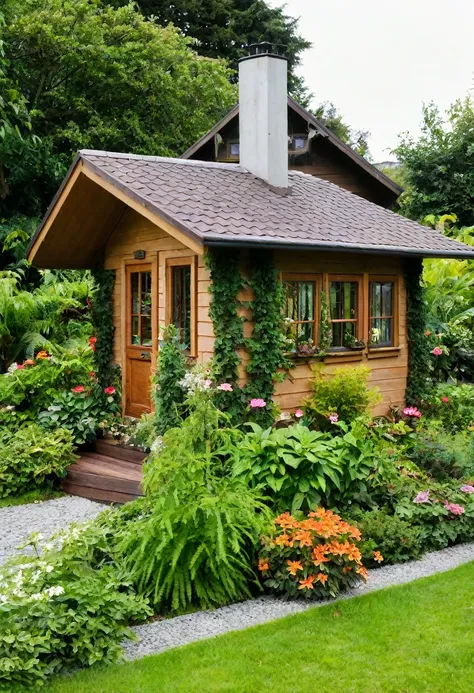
[78, 389]
[351, 342]
[257, 403]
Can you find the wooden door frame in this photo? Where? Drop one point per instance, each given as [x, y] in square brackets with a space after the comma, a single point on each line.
[151, 259]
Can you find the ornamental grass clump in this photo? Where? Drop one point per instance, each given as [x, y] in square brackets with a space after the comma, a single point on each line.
[314, 558]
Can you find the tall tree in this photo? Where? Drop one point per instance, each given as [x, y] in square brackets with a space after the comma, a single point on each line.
[225, 29]
[439, 165]
[332, 119]
[105, 78]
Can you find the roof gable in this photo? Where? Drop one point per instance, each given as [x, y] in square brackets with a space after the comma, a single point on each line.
[321, 129]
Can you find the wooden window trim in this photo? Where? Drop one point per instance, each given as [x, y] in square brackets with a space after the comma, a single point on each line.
[359, 278]
[384, 278]
[230, 156]
[188, 261]
[317, 278]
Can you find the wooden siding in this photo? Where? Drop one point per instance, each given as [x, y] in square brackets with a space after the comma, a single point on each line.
[388, 367]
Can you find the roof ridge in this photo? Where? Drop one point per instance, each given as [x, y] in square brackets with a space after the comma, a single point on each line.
[164, 160]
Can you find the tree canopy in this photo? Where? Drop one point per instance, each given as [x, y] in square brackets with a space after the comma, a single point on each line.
[328, 114]
[100, 77]
[225, 29]
[439, 165]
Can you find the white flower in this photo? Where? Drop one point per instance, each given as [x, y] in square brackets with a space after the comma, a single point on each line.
[55, 591]
[38, 596]
[49, 568]
[3, 598]
[157, 445]
[48, 546]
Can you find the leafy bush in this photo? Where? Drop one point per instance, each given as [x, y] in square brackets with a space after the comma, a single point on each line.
[444, 514]
[194, 542]
[82, 410]
[434, 458]
[453, 405]
[396, 539]
[30, 458]
[167, 391]
[316, 557]
[64, 608]
[298, 468]
[343, 395]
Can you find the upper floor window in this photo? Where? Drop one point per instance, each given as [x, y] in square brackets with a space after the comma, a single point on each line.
[381, 307]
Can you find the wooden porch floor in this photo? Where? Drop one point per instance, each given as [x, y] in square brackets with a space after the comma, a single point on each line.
[108, 474]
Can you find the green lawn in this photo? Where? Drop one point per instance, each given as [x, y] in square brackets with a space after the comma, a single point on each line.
[30, 497]
[413, 639]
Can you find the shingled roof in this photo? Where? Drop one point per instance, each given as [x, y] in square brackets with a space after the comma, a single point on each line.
[224, 204]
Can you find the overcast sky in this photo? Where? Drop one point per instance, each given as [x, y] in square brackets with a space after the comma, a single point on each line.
[378, 61]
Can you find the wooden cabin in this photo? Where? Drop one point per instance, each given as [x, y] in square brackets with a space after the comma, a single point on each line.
[321, 213]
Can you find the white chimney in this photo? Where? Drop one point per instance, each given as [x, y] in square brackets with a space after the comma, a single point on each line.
[263, 115]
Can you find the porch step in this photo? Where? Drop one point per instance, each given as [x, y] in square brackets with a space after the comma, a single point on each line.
[105, 477]
[118, 452]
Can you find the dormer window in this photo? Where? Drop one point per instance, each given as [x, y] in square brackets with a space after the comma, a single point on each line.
[298, 143]
[234, 150]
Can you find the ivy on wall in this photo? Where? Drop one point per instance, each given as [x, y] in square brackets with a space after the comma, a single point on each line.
[167, 393]
[418, 348]
[266, 346]
[102, 319]
[325, 333]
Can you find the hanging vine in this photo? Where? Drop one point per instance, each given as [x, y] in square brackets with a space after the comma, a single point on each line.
[325, 333]
[418, 348]
[226, 282]
[266, 346]
[103, 324]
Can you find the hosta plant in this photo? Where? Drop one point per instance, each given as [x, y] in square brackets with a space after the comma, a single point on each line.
[314, 558]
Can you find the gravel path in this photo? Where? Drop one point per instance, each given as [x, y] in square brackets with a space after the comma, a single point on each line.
[19, 521]
[181, 630]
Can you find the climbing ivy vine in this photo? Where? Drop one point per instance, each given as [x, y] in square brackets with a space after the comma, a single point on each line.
[418, 348]
[103, 324]
[266, 346]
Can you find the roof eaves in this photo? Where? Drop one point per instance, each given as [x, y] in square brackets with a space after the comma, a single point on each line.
[211, 239]
[151, 207]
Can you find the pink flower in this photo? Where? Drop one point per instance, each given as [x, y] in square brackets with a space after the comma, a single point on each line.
[467, 488]
[454, 508]
[225, 387]
[445, 399]
[19, 366]
[412, 412]
[257, 403]
[333, 418]
[109, 390]
[78, 389]
[299, 413]
[422, 497]
[437, 351]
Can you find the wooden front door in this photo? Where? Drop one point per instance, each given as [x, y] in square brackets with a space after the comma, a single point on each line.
[139, 339]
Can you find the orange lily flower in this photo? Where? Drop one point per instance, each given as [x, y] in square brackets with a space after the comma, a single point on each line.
[294, 566]
[322, 578]
[263, 564]
[377, 556]
[308, 583]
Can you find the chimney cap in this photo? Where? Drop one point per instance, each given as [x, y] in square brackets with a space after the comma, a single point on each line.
[265, 48]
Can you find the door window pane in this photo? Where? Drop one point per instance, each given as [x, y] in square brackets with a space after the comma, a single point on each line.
[135, 330]
[135, 283]
[146, 293]
[140, 305]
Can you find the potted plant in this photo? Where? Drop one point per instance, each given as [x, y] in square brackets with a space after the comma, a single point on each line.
[351, 342]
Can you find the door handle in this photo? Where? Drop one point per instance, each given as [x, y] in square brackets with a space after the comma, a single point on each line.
[145, 355]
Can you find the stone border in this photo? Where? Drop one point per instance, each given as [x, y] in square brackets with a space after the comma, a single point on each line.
[159, 636]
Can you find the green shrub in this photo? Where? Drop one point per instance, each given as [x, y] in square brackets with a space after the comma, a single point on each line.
[344, 394]
[194, 543]
[453, 405]
[396, 539]
[434, 458]
[299, 468]
[317, 557]
[168, 394]
[444, 514]
[66, 608]
[31, 458]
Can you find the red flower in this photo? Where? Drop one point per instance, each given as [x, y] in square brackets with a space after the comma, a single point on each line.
[445, 399]
[109, 390]
[19, 367]
[78, 389]
[92, 340]
[92, 374]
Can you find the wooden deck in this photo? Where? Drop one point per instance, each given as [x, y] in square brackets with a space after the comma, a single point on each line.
[108, 474]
